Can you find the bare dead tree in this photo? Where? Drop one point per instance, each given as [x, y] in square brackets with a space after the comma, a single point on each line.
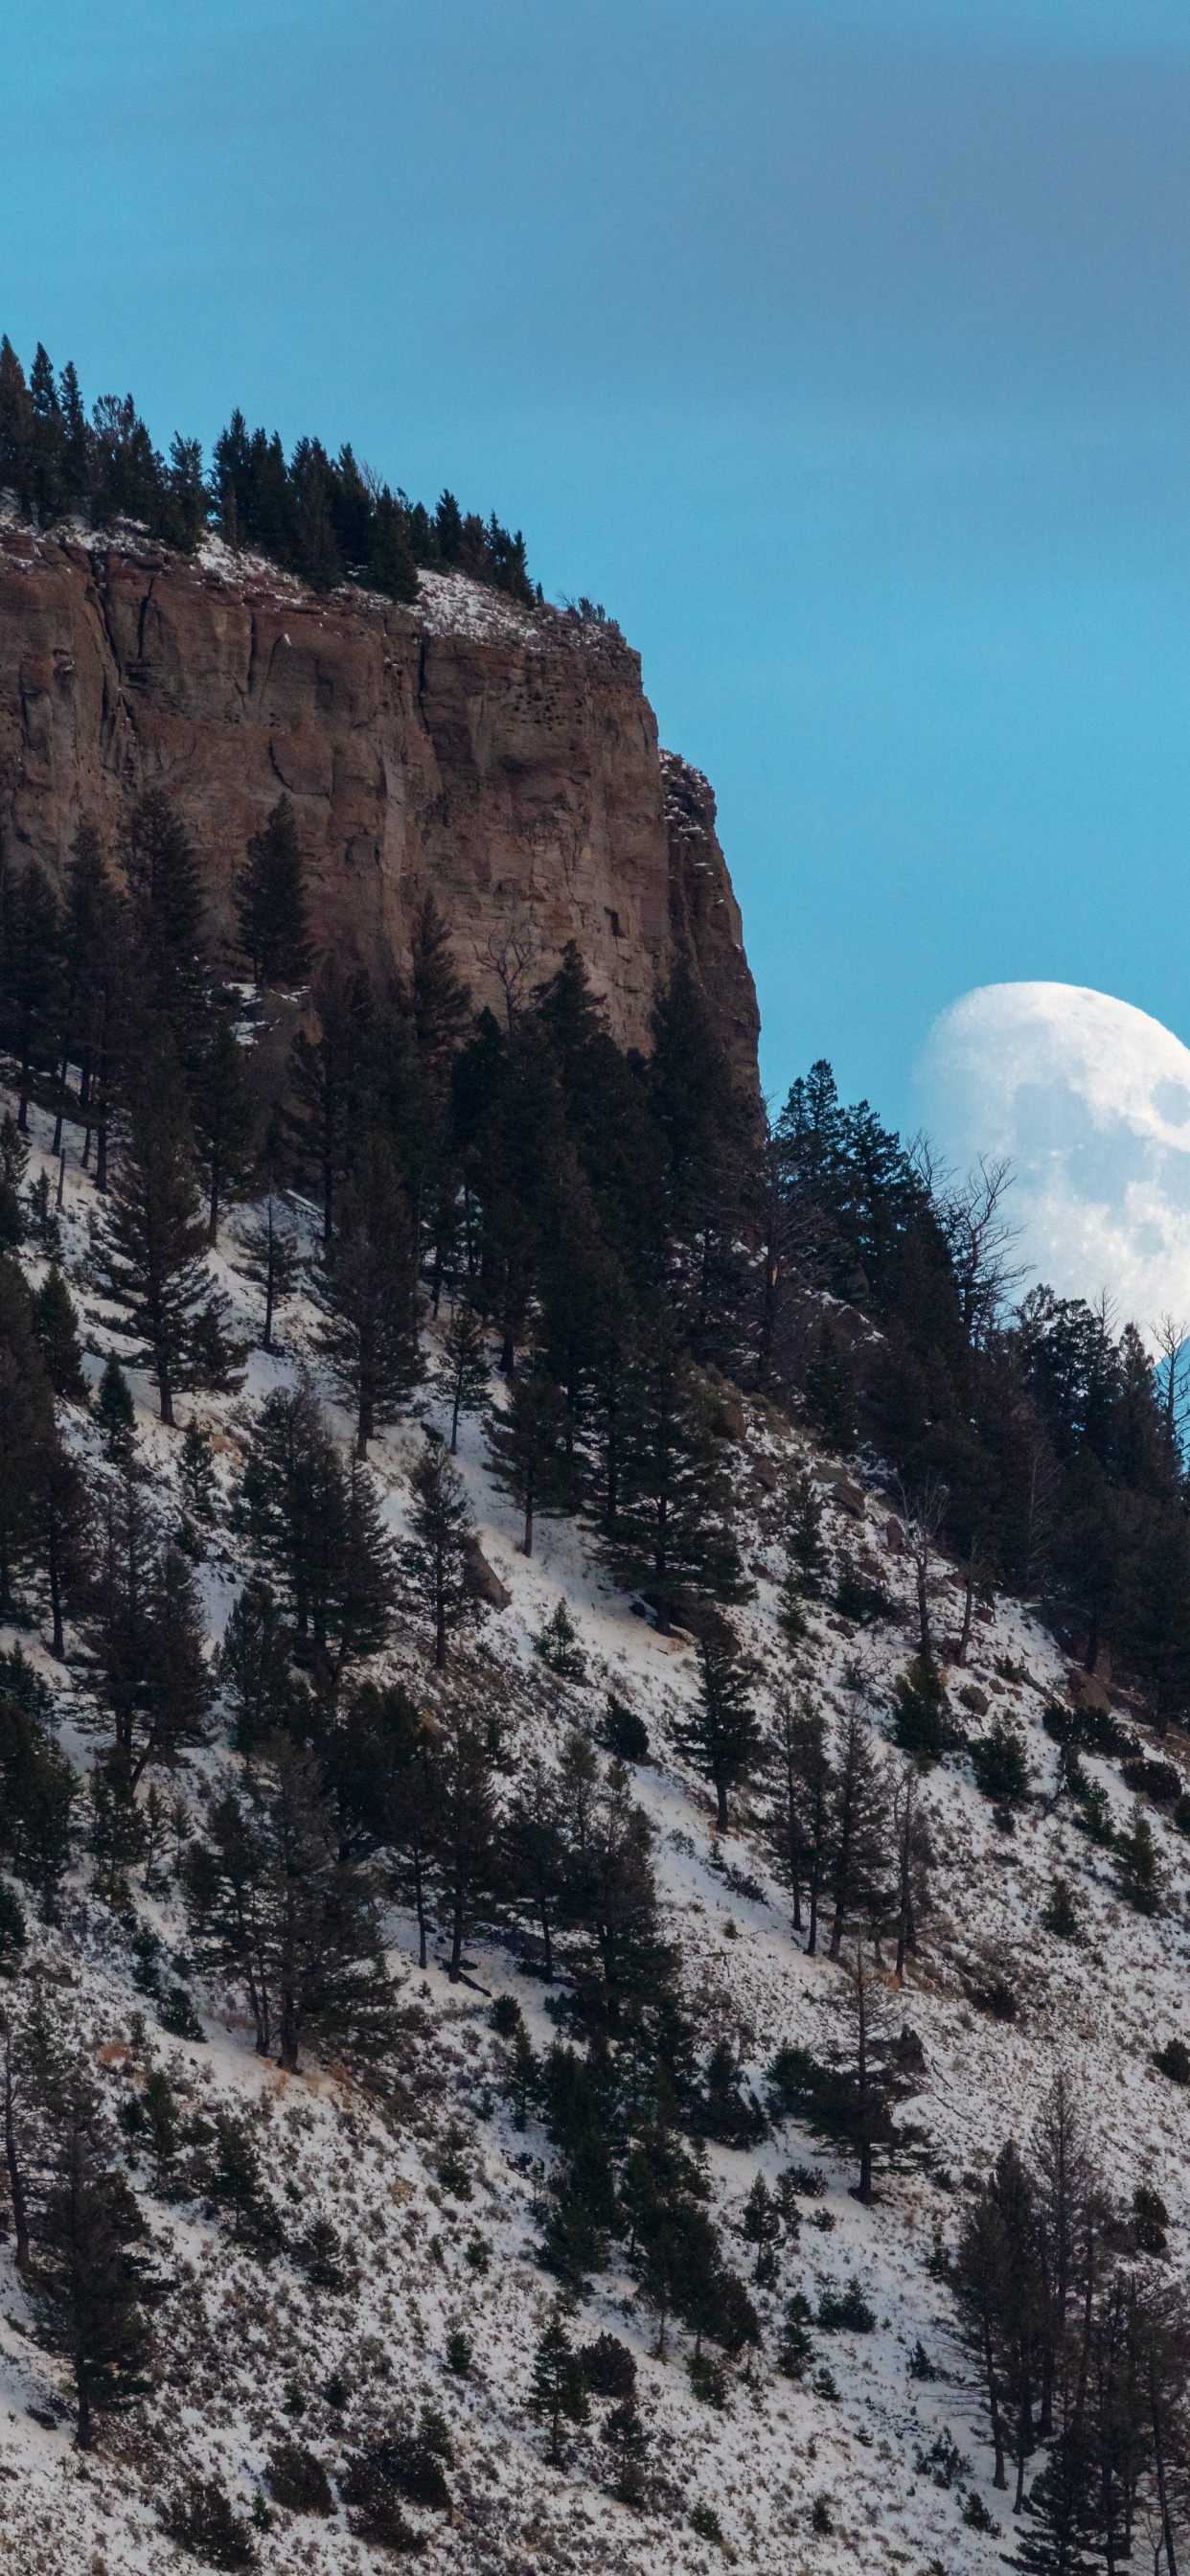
[922, 1516]
[511, 960]
[979, 1239]
[1171, 1335]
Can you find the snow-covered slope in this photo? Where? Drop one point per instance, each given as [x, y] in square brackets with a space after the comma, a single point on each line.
[790, 2479]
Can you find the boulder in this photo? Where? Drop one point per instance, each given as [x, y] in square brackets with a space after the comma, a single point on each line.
[1084, 1691]
[483, 1582]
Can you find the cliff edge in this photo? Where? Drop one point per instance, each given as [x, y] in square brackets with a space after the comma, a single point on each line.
[504, 758]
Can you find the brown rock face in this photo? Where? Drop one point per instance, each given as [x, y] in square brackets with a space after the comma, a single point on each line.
[504, 759]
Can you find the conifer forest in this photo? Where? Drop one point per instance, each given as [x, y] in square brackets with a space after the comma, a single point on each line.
[594, 1748]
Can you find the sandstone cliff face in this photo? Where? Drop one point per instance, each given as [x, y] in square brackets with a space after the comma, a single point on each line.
[505, 759]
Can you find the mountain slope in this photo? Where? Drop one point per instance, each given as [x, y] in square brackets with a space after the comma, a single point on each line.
[436, 2195]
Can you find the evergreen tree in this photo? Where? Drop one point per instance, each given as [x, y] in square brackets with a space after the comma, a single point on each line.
[115, 1412]
[59, 1500]
[914, 1860]
[463, 1372]
[154, 1242]
[369, 1294]
[465, 1844]
[920, 1718]
[858, 1829]
[628, 2442]
[671, 1535]
[711, 1143]
[168, 924]
[272, 1261]
[222, 1114]
[38, 1790]
[852, 2100]
[30, 977]
[87, 928]
[255, 1672]
[557, 2393]
[803, 1534]
[327, 1074]
[527, 1447]
[1138, 1865]
[535, 1851]
[86, 2281]
[14, 1162]
[798, 1752]
[145, 1638]
[721, 1733]
[27, 1435]
[381, 1764]
[55, 1323]
[278, 1909]
[609, 1891]
[443, 1532]
[196, 1473]
[271, 901]
[319, 1533]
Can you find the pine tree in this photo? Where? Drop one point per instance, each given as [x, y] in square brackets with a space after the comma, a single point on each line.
[319, 1532]
[628, 2442]
[798, 1752]
[14, 1163]
[271, 901]
[55, 1323]
[852, 2100]
[196, 1473]
[464, 1824]
[535, 1851]
[369, 1294]
[761, 2225]
[60, 1512]
[921, 1713]
[155, 1239]
[1138, 1865]
[327, 1074]
[858, 1831]
[807, 1551]
[27, 1433]
[381, 1765]
[115, 1411]
[223, 1116]
[391, 564]
[443, 1532]
[168, 922]
[527, 1447]
[86, 2279]
[671, 1536]
[463, 1373]
[30, 977]
[38, 1791]
[16, 427]
[255, 1672]
[272, 1261]
[914, 1860]
[145, 1638]
[277, 1908]
[557, 2392]
[721, 1733]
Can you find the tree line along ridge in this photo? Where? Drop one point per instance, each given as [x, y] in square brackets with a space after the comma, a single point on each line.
[326, 519]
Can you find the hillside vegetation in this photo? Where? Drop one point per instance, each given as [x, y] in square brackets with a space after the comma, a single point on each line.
[593, 1794]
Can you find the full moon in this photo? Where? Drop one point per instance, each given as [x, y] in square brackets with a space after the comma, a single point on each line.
[1089, 1101]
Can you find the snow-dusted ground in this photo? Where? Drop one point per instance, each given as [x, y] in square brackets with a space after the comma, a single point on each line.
[250, 2349]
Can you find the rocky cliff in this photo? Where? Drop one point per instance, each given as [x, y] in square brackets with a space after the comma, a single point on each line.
[504, 758]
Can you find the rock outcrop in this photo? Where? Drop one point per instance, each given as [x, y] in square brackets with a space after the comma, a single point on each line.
[504, 758]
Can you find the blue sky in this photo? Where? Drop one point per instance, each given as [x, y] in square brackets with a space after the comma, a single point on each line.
[841, 350]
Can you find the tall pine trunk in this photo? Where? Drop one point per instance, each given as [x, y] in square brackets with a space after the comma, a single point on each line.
[16, 2178]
